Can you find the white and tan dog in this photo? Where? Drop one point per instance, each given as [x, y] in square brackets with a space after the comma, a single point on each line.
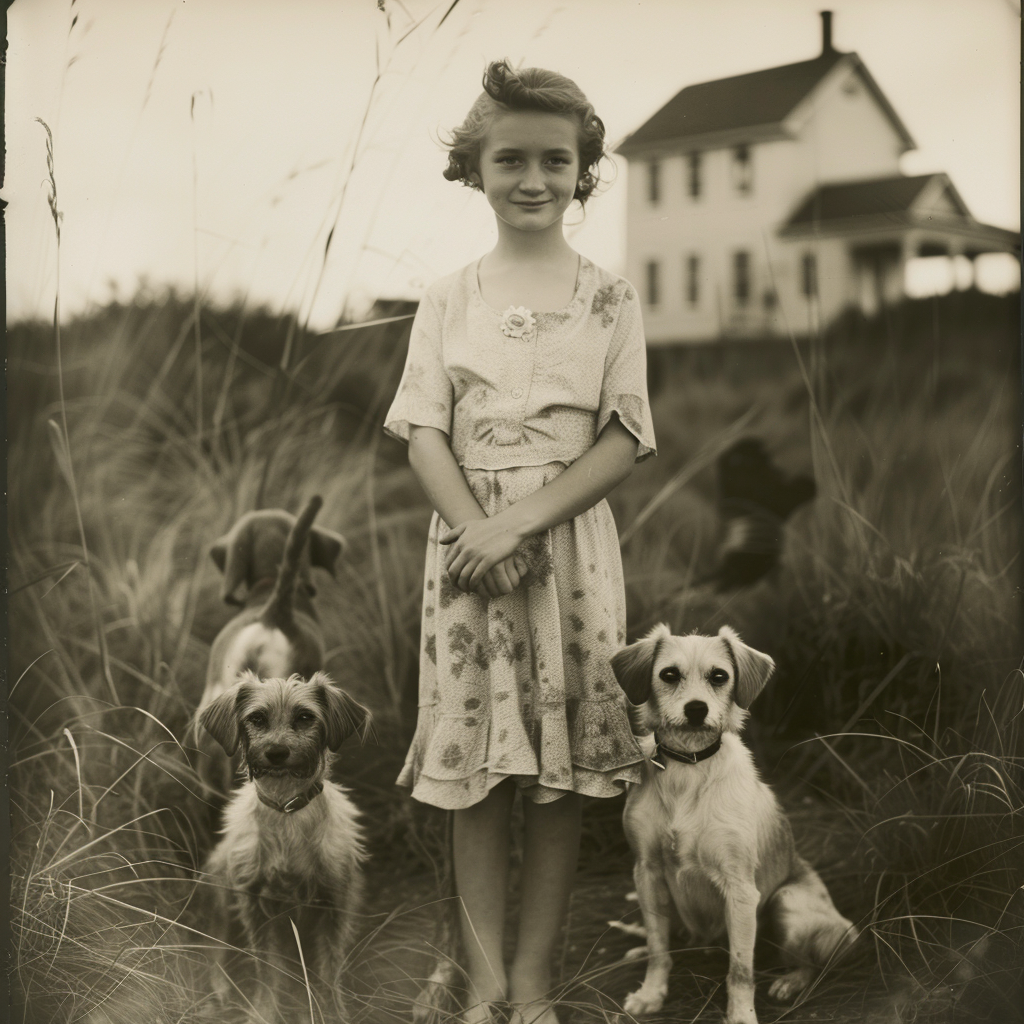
[709, 837]
[287, 872]
[269, 554]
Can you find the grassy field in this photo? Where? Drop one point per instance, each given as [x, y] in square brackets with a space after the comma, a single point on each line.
[893, 729]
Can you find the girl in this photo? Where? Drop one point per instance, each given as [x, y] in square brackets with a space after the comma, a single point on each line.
[524, 402]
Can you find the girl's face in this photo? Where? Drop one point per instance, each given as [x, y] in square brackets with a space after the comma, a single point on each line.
[529, 167]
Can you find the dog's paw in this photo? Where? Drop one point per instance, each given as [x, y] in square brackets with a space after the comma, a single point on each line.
[790, 985]
[646, 999]
[221, 989]
[745, 1015]
[431, 1004]
[636, 930]
[636, 953]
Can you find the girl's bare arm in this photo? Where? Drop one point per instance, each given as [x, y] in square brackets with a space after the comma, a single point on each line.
[477, 545]
[439, 475]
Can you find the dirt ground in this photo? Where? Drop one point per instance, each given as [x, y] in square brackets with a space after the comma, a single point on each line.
[594, 974]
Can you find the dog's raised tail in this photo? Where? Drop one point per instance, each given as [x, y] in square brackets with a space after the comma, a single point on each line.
[278, 610]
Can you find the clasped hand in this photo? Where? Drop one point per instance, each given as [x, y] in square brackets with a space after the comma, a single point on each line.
[482, 557]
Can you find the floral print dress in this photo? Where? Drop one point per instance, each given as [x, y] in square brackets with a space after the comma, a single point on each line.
[520, 686]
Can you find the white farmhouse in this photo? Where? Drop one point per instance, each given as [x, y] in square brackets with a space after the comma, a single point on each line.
[774, 200]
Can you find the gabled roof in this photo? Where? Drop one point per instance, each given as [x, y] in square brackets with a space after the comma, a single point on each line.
[758, 100]
[877, 197]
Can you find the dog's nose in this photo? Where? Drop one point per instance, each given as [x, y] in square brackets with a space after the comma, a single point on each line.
[696, 711]
[277, 754]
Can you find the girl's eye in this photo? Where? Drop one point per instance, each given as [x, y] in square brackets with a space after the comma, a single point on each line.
[719, 676]
[669, 675]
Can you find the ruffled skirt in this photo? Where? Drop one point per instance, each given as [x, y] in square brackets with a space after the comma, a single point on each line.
[520, 686]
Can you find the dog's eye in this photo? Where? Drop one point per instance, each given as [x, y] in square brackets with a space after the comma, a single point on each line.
[257, 719]
[719, 676]
[669, 674]
[305, 718]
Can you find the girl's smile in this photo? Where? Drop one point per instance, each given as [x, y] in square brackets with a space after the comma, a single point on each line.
[529, 166]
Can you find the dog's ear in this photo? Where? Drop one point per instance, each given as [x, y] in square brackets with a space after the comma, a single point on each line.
[220, 717]
[343, 714]
[752, 668]
[232, 554]
[324, 548]
[219, 551]
[632, 665]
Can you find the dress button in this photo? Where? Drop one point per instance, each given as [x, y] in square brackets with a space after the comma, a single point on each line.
[517, 392]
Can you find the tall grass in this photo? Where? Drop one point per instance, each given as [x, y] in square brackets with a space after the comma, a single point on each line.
[894, 620]
[105, 797]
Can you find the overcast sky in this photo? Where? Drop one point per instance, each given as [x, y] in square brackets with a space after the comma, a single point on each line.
[219, 141]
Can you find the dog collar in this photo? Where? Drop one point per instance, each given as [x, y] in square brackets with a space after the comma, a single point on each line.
[658, 760]
[296, 803]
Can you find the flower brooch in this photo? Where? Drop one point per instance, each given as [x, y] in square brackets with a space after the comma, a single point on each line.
[517, 322]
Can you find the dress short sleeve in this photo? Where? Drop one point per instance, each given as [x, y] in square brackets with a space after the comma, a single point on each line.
[424, 396]
[624, 388]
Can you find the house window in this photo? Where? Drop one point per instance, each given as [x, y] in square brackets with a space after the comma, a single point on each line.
[654, 182]
[741, 277]
[743, 170]
[693, 280]
[809, 275]
[652, 283]
[693, 175]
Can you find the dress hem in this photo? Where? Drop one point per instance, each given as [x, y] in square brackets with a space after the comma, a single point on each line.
[457, 794]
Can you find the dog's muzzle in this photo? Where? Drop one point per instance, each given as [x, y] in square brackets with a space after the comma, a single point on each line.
[274, 762]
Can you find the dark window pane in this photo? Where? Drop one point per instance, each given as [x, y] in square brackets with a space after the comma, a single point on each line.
[743, 169]
[694, 175]
[741, 277]
[654, 181]
[693, 280]
[652, 283]
[809, 275]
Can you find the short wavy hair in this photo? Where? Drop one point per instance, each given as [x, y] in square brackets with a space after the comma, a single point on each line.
[506, 89]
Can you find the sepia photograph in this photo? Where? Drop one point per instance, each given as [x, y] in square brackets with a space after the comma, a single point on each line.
[514, 512]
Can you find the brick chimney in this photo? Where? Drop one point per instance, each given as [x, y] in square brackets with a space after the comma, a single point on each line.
[826, 32]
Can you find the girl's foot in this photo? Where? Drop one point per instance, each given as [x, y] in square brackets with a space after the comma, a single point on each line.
[490, 1011]
[538, 1011]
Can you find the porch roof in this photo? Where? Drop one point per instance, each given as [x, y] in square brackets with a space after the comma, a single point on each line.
[894, 206]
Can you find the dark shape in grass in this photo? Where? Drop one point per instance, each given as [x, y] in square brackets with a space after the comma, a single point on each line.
[754, 499]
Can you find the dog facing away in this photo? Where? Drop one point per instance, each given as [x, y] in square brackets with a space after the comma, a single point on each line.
[755, 498]
[287, 872]
[276, 634]
[708, 836]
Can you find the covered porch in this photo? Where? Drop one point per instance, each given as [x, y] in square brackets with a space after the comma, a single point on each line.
[905, 237]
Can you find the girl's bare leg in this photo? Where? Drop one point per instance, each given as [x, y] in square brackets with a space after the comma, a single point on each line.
[480, 841]
[550, 851]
